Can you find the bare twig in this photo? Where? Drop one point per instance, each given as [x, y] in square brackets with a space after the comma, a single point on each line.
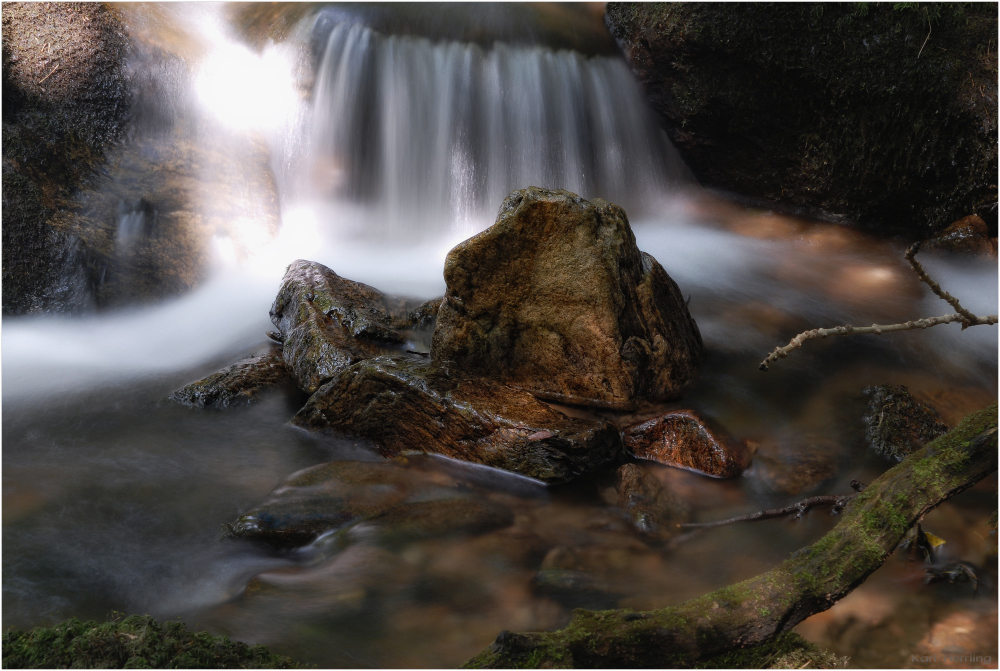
[798, 509]
[926, 38]
[966, 318]
[49, 75]
[936, 288]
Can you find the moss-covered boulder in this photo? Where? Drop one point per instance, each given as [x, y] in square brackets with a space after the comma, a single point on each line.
[135, 642]
[556, 298]
[239, 384]
[404, 404]
[66, 101]
[881, 113]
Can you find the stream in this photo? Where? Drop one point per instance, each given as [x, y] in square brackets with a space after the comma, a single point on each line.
[387, 146]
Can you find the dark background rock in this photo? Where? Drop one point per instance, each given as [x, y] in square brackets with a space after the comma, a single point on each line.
[896, 423]
[403, 404]
[66, 102]
[839, 109]
[556, 298]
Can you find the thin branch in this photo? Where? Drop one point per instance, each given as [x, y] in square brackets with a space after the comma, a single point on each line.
[936, 288]
[926, 38]
[49, 75]
[877, 329]
[797, 509]
[966, 318]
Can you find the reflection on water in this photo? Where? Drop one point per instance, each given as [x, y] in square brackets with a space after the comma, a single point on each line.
[114, 498]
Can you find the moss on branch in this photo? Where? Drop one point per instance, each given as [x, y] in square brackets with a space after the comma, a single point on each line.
[757, 610]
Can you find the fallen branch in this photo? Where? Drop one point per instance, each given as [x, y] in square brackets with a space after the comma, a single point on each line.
[797, 509]
[756, 610]
[962, 315]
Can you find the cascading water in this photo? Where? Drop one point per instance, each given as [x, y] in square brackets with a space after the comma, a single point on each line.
[433, 136]
[386, 149]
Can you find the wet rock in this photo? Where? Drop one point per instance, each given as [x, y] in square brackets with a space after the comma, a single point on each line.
[767, 101]
[968, 235]
[422, 316]
[67, 100]
[404, 404]
[398, 504]
[682, 439]
[897, 424]
[240, 384]
[574, 589]
[320, 499]
[555, 298]
[420, 520]
[327, 323]
[651, 508]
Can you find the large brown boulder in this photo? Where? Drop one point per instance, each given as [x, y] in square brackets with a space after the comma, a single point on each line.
[327, 323]
[403, 404]
[880, 113]
[556, 298]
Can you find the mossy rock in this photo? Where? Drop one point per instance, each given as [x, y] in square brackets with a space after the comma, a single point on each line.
[880, 113]
[135, 642]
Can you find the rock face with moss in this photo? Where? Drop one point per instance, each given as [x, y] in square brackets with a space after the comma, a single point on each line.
[883, 114]
[402, 403]
[66, 101]
[555, 298]
[136, 642]
[239, 384]
[327, 323]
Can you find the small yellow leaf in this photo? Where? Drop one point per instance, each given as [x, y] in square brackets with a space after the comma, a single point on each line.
[934, 540]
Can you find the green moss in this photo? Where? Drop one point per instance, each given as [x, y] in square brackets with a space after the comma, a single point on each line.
[787, 651]
[135, 642]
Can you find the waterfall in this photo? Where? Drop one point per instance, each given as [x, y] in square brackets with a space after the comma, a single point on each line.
[429, 137]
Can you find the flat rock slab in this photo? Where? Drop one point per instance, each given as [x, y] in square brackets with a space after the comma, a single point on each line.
[682, 439]
[239, 384]
[327, 322]
[556, 298]
[403, 405]
[396, 503]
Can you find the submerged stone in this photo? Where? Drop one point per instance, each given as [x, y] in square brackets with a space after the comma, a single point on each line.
[398, 504]
[403, 404]
[897, 424]
[651, 508]
[240, 384]
[682, 439]
[327, 323]
[556, 298]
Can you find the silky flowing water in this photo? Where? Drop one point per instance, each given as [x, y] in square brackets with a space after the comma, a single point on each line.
[386, 149]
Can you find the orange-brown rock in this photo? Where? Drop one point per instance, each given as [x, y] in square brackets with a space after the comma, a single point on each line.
[555, 298]
[968, 235]
[403, 404]
[682, 439]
